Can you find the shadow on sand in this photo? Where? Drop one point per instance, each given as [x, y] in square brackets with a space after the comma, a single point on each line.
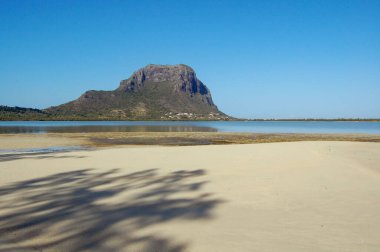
[88, 211]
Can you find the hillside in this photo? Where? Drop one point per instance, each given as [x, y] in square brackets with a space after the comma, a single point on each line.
[19, 113]
[155, 92]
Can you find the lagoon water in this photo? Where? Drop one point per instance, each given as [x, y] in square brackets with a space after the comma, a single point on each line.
[15, 127]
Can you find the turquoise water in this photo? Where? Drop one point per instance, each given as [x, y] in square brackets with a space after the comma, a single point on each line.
[12, 127]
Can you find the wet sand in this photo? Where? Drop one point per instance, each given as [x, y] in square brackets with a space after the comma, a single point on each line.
[293, 196]
[110, 139]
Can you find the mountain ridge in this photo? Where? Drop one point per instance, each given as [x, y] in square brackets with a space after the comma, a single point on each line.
[157, 92]
[154, 92]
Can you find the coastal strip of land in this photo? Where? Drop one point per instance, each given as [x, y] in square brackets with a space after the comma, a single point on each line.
[110, 139]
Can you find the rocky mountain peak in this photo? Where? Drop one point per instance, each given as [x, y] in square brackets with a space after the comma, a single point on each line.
[182, 76]
[160, 92]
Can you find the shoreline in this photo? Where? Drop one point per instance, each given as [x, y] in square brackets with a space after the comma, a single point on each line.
[110, 139]
[232, 119]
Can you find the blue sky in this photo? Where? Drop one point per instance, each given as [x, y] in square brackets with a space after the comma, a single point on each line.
[261, 59]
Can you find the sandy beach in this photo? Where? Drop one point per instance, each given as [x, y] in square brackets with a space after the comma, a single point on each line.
[298, 196]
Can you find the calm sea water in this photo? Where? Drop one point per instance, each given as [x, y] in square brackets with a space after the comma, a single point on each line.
[190, 126]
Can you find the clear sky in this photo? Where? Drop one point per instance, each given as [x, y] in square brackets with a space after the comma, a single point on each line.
[261, 59]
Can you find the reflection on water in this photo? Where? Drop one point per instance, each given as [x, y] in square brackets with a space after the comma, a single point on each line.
[190, 126]
[105, 128]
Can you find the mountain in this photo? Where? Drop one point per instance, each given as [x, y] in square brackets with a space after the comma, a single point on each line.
[155, 92]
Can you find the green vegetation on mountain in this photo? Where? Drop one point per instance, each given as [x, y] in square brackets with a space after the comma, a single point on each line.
[155, 92]
[19, 113]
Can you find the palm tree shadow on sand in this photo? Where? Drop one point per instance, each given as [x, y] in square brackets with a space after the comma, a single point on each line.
[88, 211]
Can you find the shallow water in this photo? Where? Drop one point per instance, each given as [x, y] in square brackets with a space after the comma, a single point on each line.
[7, 152]
[15, 127]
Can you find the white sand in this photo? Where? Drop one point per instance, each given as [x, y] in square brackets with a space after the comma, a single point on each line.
[301, 196]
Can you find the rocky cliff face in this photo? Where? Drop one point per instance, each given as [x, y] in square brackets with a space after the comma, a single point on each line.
[183, 77]
[152, 92]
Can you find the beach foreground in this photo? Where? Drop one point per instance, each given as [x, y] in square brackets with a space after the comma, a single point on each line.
[295, 196]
